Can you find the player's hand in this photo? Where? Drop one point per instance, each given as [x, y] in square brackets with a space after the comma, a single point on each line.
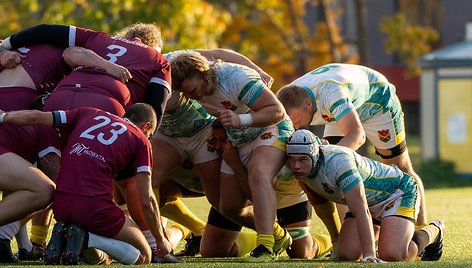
[231, 155]
[164, 247]
[10, 59]
[324, 142]
[266, 78]
[119, 72]
[229, 118]
[371, 259]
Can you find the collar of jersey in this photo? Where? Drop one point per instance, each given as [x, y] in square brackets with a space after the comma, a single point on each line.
[312, 96]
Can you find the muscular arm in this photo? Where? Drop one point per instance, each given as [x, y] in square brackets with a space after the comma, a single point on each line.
[231, 157]
[29, 117]
[357, 203]
[326, 211]
[52, 34]
[266, 111]
[149, 205]
[79, 56]
[157, 96]
[235, 57]
[354, 135]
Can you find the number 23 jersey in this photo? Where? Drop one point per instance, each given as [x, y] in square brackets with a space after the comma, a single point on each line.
[98, 146]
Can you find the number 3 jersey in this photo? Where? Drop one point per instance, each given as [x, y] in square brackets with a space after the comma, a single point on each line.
[98, 145]
[145, 64]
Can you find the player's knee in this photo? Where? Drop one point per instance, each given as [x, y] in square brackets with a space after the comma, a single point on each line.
[300, 251]
[392, 255]
[44, 195]
[348, 255]
[230, 211]
[208, 251]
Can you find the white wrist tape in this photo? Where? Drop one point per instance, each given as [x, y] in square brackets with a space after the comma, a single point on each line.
[2, 116]
[245, 120]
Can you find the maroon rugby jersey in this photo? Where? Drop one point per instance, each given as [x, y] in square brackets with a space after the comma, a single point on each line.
[99, 145]
[145, 64]
[45, 66]
[20, 140]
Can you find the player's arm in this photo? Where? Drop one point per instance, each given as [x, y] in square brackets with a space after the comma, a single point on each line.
[357, 203]
[326, 211]
[232, 158]
[151, 211]
[52, 34]
[157, 96]
[28, 117]
[266, 111]
[350, 125]
[79, 56]
[235, 57]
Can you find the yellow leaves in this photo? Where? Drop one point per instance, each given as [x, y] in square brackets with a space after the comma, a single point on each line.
[408, 41]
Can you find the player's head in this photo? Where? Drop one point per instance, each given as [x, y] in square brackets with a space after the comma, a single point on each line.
[298, 104]
[148, 33]
[303, 152]
[192, 75]
[143, 116]
[219, 137]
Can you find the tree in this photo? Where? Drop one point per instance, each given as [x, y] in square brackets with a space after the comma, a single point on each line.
[184, 24]
[409, 42]
[281, 37]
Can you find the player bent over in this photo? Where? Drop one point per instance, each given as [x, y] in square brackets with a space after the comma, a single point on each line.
[97, 146]
[372, 191]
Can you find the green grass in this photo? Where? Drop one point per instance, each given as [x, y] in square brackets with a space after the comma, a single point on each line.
[449, 200]
[450, 204]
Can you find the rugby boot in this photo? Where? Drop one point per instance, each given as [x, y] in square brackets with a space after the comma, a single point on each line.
[260, 254]
[169, 258]
[282, 244]
[6, 255]
[192, 248]
[36, 253]
[55, 248]
[77, 240]
[433, 252]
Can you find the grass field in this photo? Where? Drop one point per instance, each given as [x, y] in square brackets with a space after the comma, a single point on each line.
[453, 205]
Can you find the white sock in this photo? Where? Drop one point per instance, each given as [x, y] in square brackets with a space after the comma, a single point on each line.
[23, 240]
[118, 250]
[8, 231]
[150, 239]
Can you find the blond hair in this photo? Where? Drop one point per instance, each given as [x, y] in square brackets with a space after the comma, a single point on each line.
[148, 33]
[189, 65]
[292, 96]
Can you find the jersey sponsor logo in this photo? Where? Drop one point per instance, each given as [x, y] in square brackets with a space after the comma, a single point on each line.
[80, 149]
[327, 188]
[228, 105]
[267, 136]
[390, 205]
[327, 118]
[384, 135]
[130, 42]
[211, 145]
